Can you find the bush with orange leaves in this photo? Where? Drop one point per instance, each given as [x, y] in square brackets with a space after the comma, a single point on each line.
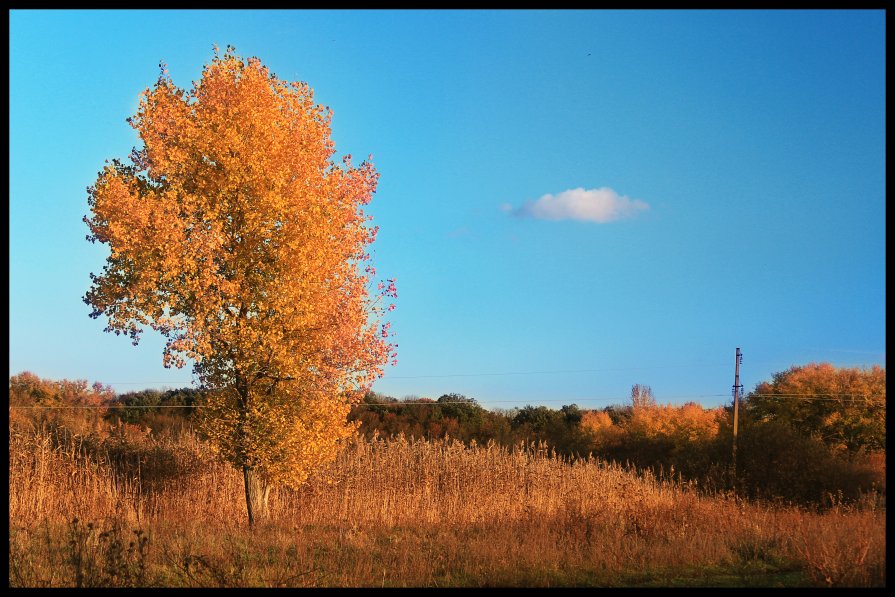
[660, 436]
[843, 407]
[76, 404]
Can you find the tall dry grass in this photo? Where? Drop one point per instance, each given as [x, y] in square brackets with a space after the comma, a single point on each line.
[405, 513]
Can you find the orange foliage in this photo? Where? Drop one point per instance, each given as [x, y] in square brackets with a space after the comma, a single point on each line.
[234, 235]
[27, 389]
[595, 421]
[43, 401]
[687, 423]
[845, 407]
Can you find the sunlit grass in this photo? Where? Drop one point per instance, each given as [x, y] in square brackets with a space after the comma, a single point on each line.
[406, 513]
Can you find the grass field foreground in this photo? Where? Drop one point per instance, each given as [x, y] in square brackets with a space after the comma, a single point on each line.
[133, 510]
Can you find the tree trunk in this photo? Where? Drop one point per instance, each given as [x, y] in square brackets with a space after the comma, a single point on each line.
[257, 492]
[256, 486]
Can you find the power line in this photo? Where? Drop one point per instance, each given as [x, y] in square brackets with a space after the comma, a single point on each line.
[804, 397]
[133, 383]
[551, 372]
[566, 400]
[395, 403]
[109, 406]
[483, 374]
[359, 404]
[857, 397]
[558, 371]
[813, 394]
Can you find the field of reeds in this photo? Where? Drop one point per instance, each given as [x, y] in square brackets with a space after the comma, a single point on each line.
[128, 509]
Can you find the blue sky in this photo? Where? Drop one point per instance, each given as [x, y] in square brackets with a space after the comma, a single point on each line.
[572, 202]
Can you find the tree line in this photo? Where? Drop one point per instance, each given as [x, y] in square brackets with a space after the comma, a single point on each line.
[810, 432]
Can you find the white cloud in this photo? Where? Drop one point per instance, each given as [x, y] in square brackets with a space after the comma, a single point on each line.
[591, 205]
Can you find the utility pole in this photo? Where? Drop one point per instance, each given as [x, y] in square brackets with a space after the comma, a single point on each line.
[736, 407]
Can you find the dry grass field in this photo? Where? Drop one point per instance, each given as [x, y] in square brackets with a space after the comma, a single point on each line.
[133, 510]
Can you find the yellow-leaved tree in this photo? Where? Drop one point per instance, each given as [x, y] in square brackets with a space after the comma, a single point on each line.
[235, 234]
[843, 406]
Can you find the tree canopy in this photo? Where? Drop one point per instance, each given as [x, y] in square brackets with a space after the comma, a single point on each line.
[845, 407]
[235, 234]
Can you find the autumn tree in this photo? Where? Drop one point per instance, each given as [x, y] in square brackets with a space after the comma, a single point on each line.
[844, 407]
[74, 404]
[595, 421]
[235, 234]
